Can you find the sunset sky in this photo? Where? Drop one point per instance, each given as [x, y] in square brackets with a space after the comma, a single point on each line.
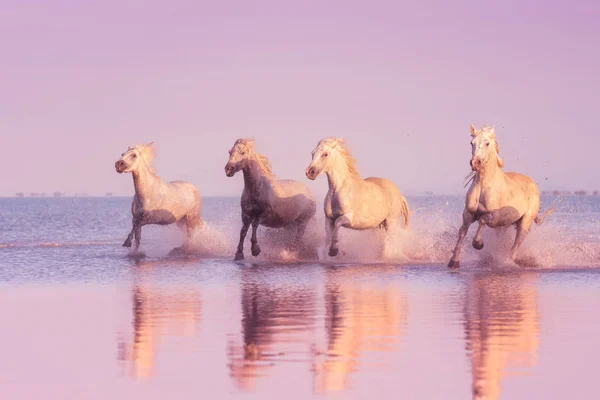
[400, 80]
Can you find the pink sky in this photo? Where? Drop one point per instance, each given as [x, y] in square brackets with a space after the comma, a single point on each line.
[401, 81]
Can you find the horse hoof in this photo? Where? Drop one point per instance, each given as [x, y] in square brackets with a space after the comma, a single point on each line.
[333, 251]
[255, 250]
[454, 264]
[478, 245]
[239, 256]
[127, 244]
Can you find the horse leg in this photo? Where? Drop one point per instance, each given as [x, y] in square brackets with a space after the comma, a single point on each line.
[493, 219]
[138, 236]
[468, 219]
[339, 222]
[246, 219]
[136, 222]
[478, 240]
[192, 222]
[390, 226]
[522, 230]
[255, 247]
[300, 230]
[127, 242]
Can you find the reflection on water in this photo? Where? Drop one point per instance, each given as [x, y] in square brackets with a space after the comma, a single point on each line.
[216, 330]
[361, 316]
[160, 311]
[276, 317]
[502, 329]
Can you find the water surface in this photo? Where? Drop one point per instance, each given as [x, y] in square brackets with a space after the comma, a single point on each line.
[82, 320]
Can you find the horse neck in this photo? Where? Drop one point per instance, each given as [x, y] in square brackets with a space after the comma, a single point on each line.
[255, 178]
[144, 181]
[340, 176]
[491, 173]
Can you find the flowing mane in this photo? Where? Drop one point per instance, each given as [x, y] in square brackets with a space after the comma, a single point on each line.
[148, 153]
[263, 162]
[339, 145]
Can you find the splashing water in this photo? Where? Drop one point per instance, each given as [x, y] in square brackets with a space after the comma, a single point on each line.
[568, 237]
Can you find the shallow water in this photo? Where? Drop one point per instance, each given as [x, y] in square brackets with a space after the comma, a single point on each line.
[82, 320]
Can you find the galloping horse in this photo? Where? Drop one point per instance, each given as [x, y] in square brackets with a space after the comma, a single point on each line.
[353, 202]
[265, 200]
[155, 201]
[496, 198]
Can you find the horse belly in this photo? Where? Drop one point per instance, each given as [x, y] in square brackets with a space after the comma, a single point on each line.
[274, 221]
[507, 209]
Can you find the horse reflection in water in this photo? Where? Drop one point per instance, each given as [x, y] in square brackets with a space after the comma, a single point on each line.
[158, 313]
[275, 318]
[361, 316]
[502, 329]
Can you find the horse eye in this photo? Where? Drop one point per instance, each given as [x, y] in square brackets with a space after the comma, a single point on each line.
[325, 154]
[487, 144]
[133, 155]
[243, 153]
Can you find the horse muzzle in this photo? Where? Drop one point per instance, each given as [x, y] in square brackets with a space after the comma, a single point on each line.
[311, 173]
[120, 166]
[475, 164]
[229, 170]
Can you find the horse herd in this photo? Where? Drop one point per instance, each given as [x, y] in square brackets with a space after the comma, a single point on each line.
[494, 199]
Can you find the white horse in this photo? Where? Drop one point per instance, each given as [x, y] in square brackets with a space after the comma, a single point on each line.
[496, 198]
[353, 202]
[265, 200]
[155, 201]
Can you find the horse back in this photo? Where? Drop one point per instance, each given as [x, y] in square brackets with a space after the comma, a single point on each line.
[522, 181]
[388, 187]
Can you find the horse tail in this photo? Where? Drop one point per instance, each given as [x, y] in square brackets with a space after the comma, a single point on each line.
[539, 220]
[405, 212]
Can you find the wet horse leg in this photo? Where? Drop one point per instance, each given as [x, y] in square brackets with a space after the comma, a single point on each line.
[246, 219]
[127, 242]
[191, 223]
[299, 230]
[478, 240]
[523, 227]
[138, 236]
[390, 226]
[468, 219]
[492, 219]
[339, 222]
[255, 247]
[136, 223]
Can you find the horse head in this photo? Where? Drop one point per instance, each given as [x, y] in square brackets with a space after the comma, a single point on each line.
[484, 148]
[328, 154]
[135, 157]
[239, 155]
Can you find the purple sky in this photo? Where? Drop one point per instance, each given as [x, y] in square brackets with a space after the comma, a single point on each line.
[401, 81]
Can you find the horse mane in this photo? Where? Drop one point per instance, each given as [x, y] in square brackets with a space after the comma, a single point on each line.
[148, 153]
[470, 178]
[340, 146]
[263, 162]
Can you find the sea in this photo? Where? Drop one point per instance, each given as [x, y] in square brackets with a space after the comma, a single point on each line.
[82, 318]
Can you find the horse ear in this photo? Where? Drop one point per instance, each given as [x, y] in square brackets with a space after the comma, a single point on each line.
[150, 144]
[473, 130]
[493, 129]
